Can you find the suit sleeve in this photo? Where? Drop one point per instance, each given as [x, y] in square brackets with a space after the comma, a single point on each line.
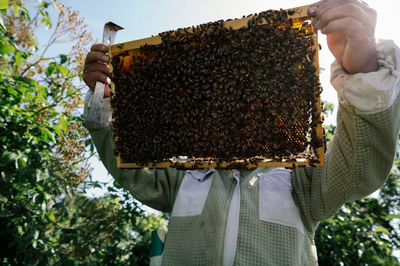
[156, 188]
[360, 155]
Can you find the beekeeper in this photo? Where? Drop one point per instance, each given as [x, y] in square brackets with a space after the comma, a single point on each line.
[268, 216]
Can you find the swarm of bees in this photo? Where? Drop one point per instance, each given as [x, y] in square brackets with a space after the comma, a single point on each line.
[214, 93]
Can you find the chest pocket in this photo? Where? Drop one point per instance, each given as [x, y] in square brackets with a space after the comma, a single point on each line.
[192, 193]
[275, 201]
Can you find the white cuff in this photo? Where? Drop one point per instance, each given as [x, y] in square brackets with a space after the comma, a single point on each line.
[106, 111]
[370, 92]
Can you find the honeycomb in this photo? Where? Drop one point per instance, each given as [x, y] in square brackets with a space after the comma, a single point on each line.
[215, 96]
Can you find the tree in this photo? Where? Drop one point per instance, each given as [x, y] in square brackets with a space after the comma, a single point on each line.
[41, 141]
[111, 230]
[45, 218]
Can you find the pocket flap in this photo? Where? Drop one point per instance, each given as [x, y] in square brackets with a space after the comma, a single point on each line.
[276, 204]
[192, 193]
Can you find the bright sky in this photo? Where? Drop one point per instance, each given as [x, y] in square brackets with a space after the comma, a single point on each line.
[145, 18]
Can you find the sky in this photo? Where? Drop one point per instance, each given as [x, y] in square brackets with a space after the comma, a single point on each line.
[143, 19]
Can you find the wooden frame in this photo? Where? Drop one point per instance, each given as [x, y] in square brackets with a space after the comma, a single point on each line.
[299, 16]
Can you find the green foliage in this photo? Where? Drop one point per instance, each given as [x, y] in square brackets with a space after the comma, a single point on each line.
[29, 138]
[44, 217]
[111, 230]
[3, 4]
[360, 234]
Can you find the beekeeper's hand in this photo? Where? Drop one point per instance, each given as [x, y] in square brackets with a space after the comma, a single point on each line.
[96, 67]
[350, 29]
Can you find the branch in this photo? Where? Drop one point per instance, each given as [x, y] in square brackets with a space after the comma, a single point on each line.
[51, 41]
[54, 104]
[83, 159]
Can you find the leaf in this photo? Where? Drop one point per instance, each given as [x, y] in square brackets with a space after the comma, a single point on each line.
[43, 90]
[15, 9]
[24, 8]
[57, 130]
[22, 162]
[39, 99]
[50, 70]
[38, 198]
[8, 157]
[36, 235]
[45, 4]
[2, 24]
[111, 189]
[41, 175]
[3, 199]
[63, 58]
[392, 216]
[59, 174]
[31, 82]
[6, 49]
[46, 20]
[65, 71]
[3, 4]
[47, 135]
[39, 187]
[51, 217]
[63, 124]
[18, 60]
[382, 229]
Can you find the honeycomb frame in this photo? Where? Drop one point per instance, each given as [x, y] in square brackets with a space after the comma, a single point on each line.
[299, 15]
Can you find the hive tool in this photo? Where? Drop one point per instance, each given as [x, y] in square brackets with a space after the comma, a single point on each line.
[94, 119]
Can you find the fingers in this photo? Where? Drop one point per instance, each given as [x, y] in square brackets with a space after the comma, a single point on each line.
[312, 11]
[96, 67]
[327, 4]
[327, 11]
[94, 56]
[91, 78]
[354, 12]
[107, 91]
[100, 47]
[351, 26]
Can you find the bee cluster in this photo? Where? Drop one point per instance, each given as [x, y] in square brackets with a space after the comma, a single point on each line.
[212, 92]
